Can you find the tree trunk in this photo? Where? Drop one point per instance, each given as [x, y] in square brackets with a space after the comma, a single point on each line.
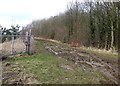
[112, 35]
[106, 41]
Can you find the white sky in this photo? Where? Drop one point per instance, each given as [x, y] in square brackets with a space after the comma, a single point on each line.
[22, 12]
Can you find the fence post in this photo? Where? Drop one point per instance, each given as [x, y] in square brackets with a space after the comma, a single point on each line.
[1, 40]
[29, 43]
[28, 37]
[26, 42]
[12, 43]
[1, 58]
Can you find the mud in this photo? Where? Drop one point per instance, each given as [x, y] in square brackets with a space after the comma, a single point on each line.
[108, 68]
[14, 73]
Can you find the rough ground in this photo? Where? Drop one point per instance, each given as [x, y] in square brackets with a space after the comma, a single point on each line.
[109, 68]
[15, 73]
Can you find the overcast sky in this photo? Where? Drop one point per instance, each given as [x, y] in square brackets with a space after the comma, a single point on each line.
[23, 12]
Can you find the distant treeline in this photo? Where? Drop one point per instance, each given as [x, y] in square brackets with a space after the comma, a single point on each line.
[90, 24]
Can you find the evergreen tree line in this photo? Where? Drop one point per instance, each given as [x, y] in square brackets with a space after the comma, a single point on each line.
[7, 33]
[90, 24]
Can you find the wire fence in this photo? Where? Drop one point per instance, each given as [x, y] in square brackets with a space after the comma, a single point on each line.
[16, 44]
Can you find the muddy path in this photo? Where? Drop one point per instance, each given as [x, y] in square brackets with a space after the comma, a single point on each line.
[15, 73]
[109, 68]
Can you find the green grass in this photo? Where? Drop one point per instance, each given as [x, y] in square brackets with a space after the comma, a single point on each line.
[48, 68]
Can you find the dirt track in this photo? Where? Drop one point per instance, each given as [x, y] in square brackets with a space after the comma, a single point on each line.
[82, 59]
[85, 60]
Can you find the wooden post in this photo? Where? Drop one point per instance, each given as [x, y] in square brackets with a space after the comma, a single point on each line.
[27, 42]
[12, 43]
[1, 58]
[1, 39]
